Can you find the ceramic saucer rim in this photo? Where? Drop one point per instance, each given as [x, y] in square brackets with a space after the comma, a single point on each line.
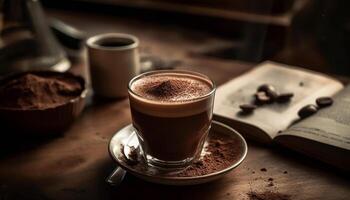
[174, 178]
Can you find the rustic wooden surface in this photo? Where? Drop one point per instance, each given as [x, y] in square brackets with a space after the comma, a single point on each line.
[75, 165]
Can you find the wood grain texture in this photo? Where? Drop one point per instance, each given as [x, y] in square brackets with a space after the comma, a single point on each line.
[74, 165]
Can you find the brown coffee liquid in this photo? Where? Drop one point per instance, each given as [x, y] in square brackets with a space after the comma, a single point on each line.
[174, 123]
[171, 139]
[115, 42]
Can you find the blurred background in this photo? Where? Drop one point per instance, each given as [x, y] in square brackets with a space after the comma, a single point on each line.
[310, 33]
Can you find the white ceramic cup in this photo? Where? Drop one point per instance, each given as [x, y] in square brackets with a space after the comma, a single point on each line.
[114, 61]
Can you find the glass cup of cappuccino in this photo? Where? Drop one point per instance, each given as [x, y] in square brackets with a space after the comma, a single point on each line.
[172, 113]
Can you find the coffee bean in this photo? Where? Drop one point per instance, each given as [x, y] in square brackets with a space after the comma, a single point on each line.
[266, 88]
[247, 108]
[324, 101]
[262, 98]
[307, 111]
[284, 97]
[269, 91]
[272, 94]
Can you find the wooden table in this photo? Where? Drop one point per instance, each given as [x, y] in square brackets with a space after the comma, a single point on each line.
[75, 165]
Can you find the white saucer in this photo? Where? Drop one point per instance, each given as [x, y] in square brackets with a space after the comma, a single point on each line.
[151, 174]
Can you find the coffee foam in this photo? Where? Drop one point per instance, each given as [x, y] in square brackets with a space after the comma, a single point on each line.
[171, 94]
[171, 87]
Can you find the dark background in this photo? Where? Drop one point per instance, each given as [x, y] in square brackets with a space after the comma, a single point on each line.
[309, 33]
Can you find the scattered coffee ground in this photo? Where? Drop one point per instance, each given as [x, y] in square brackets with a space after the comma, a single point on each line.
[265, 188]
[301, 84]
[263, 169]
[221, 150]
[324, 101]
[31, 91]
[285, 172]
[268, 195]
[270, 184]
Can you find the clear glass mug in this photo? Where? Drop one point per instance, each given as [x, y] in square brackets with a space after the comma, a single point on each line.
[172, 134]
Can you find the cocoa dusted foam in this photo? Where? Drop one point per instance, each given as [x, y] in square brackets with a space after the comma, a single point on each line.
[171, 87]
[166, 93]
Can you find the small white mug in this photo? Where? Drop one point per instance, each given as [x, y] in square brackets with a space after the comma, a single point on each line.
[114, 61]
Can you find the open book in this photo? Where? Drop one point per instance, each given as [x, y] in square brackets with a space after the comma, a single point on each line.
[324, 135]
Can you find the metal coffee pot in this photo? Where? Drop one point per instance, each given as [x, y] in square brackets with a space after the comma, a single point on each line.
[26, 41]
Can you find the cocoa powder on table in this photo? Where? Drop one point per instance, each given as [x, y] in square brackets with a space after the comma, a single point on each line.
[264, 187]
[221, 152]
[268, 195]
[33, 91]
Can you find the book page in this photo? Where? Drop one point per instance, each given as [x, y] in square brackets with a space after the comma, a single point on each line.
[330, 125]
[271, 118]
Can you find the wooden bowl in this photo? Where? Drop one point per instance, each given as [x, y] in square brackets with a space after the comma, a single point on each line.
[45, 121]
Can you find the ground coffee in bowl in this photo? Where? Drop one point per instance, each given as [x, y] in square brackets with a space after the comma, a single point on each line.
[33, 91]
[40, 102]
